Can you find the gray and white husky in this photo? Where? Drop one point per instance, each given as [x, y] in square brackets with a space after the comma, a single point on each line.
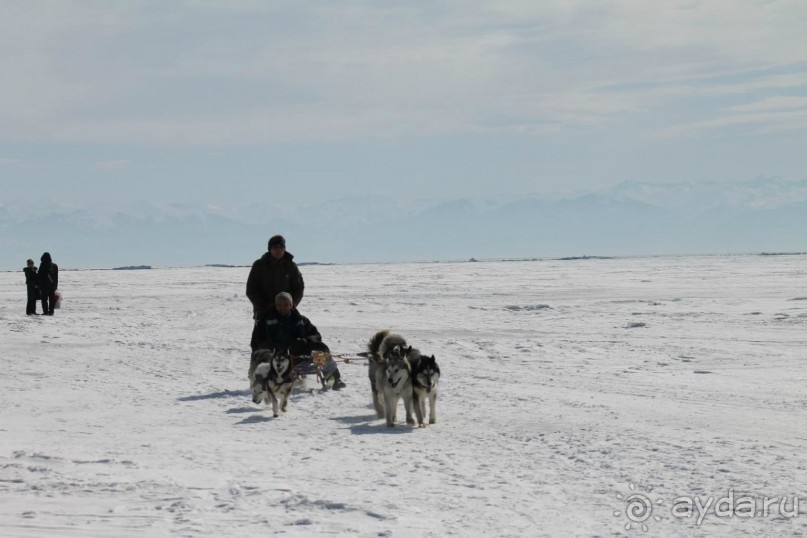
[272, 381]
[390, 375]
[425, 378]
[375, 362]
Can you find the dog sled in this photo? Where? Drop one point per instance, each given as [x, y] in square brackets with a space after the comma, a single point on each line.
[321, 365]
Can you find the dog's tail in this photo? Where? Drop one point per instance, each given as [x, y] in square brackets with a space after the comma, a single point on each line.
[392, 345]
[374, 345]
[413, 356]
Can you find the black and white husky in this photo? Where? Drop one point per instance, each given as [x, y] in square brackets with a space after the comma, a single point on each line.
[425, 378]
[390, 375]
[271, 378]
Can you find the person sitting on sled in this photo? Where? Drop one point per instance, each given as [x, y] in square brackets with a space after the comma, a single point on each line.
[283, 327]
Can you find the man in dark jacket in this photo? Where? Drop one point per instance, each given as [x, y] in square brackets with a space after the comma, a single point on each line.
[273, 273]
[48, 278]
[32, 283]
[283, 327]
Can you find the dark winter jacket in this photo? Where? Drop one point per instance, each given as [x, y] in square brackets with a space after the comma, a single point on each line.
[31, 279]
[280, 332]
[48, 275]
[268, 277]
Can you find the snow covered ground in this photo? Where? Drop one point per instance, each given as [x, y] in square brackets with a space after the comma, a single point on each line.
[568, 387]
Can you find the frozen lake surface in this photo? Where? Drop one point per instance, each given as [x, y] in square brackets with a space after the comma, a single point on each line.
[568, 387]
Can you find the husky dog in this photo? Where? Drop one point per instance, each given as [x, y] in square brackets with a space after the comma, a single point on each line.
[425, 376]
[272, 381]
[376, 362]
[395, 382]
[390, 375]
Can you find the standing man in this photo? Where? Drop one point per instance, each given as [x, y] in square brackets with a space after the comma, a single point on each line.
[48, 278]
[32, 283]
[273, 273]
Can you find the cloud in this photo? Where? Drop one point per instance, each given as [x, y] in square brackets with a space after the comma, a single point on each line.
[750, 123]
[23, 163]
[779, 102]
[760, 116]
[113, 166]
[251, 73]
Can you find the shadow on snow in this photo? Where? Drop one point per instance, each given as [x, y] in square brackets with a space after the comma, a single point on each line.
[381, 428]
[236, 410]
[363, 425]
[255, 419]
[213, 395]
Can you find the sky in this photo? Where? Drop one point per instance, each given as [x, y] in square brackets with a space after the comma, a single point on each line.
[237, 101]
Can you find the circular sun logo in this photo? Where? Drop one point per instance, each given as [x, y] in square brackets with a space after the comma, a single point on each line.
[638, 509]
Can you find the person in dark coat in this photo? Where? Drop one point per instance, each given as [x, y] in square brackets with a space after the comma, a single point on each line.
[273, 273]
[283, 327]
[32, 283]
[48, 278]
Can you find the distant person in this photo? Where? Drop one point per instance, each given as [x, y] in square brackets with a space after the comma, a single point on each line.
[273, 273]
[283, 327]
[32, 283]
[48, 278]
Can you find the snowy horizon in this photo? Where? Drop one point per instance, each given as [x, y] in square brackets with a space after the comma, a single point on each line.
[629, 219]
[584, 257]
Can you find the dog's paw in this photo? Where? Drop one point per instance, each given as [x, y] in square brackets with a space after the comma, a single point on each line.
[421, 425]
[432, 421]
[410, 421]
[275, 415]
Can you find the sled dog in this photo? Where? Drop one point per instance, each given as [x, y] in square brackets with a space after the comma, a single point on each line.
[425, 377]
[272, 381]
[390, 375]
[375, 363]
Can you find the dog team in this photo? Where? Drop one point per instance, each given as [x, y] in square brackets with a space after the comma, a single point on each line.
[286, 345]
[397, 371]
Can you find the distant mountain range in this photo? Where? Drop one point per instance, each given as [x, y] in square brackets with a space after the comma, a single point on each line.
[764, 215]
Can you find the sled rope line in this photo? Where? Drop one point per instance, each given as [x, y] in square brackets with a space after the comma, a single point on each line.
[348, 358]
[320, 357]
[352, 360]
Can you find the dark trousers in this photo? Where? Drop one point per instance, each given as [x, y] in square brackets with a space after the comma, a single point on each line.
[255, 341]
[48, 302]
[33, 295]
